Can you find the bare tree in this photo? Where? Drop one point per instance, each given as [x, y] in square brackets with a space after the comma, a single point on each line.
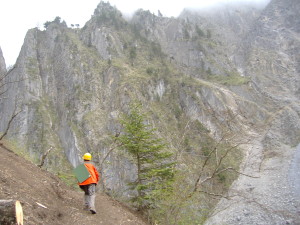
[206, 172]
[2, 84]
[8, 125]
[3, 90]
[44, 156]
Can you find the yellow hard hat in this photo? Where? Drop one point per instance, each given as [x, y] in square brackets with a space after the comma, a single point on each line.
[87, 156]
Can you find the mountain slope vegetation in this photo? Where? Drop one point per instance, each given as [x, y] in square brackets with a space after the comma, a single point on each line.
[47, 200]
[211, 83]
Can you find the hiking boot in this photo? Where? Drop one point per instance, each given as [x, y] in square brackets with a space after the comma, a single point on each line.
[93, 211]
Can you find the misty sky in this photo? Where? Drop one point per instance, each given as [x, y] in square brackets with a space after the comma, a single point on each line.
[18, 16]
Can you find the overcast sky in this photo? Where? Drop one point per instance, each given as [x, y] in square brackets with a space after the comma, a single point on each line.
[18, 16]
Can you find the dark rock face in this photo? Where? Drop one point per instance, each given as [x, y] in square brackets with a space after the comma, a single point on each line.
[2, 64]
[228, 69]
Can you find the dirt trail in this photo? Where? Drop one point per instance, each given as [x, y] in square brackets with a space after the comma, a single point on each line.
[35, 188]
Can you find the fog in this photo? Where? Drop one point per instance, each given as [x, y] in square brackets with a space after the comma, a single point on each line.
[17, 17]
[174, 8]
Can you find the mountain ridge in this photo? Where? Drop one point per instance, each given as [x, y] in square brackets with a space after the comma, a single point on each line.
[206, 79]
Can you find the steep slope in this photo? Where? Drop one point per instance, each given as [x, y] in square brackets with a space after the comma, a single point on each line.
[75, 83]
[270, 57]
[227, 23]
[71, 86]
[270, 51]
[34, 187]
[272, 61]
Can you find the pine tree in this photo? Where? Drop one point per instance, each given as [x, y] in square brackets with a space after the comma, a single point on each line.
[155, 169]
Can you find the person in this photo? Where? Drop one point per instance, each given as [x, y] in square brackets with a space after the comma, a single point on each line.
[89, 185]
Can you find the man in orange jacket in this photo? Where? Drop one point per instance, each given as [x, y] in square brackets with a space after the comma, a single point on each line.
[89, 185]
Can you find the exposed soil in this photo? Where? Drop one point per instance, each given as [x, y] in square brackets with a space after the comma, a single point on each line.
[36, 189]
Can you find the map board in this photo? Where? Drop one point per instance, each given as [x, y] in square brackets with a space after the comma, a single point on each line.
[81, 173]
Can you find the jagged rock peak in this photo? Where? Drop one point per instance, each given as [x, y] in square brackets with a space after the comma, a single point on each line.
[108, 15]
[2, 63]
[144, 18]
[105, 9]
[143, 13]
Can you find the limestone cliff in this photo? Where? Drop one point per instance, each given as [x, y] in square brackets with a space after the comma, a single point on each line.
[74, 83]
[2, 64]
[200, 77]
[269, 55]
[272, 61]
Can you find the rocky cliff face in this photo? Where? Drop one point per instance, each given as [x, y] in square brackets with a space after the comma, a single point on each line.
[272, 60]
[2, 64]
[271, 48]
[196, 75]
[269, 55]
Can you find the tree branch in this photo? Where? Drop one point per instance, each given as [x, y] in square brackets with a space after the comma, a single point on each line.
[107, 154]
[217, 167]
[230, 168]
[8, 125]
[44, 157]
[216, 195]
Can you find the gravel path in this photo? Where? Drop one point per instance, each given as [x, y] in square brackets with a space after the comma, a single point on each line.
[271, 199]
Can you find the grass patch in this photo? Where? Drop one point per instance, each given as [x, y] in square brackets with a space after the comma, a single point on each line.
[231, 80]
[69, 179]
[19, 149]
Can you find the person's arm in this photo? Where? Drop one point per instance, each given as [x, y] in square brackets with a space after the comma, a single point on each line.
[97, 174]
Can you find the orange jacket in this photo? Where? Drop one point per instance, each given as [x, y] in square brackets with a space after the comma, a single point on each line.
[94, 178]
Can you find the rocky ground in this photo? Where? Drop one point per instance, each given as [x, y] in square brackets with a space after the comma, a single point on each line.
[270, 196]
[46, 200]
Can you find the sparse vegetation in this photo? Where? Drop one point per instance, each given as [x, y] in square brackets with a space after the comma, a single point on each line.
[142, 70]
[199, 31]
[208, 33]
[68, 178]
[207, 159]
[19, 149]
[57, 20]
[231, 80]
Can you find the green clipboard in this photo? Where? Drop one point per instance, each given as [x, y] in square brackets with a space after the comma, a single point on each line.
[81, 173]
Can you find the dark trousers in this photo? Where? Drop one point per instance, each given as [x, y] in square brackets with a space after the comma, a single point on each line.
[89, 195]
